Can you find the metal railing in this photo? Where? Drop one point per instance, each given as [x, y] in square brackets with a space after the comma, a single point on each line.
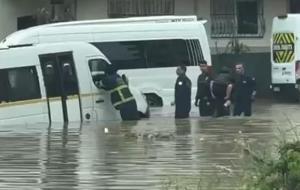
[128, 8]
[228, 26]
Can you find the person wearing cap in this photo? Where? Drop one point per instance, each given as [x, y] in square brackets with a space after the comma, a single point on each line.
[183, 89]
[203, 98]
[221, 88]
[120, 95]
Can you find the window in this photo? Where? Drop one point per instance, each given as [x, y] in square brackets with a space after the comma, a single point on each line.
[124, 54]
[59, 74]
[294, 6]
[26, 22]
[97, 68]
[237, 18]
[19, 84]
[152, 53]
[195, 52]
[69, 77]
[166, 53]
[128, 8]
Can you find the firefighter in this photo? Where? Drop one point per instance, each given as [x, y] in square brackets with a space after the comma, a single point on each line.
[120, 94]
[203, 97]
[221, 88]
[182, 93]
[245, 91]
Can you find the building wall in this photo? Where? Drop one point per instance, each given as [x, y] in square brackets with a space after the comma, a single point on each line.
[10, 10]
[91, 9]
[97, 9]
[272, 8]
[185, 7]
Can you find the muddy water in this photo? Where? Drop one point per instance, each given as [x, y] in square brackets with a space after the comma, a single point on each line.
[143, 155]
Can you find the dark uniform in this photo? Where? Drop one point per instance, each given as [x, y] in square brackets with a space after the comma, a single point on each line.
[182, 97]
[121, 96]
[219, 87]
[203, 96]
[243, 89]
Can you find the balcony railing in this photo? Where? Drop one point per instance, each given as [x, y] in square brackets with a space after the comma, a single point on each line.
[127, 8]
[228, 26]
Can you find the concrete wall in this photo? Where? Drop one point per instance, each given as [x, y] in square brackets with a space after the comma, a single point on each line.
[97, 9]
[10, 10]
[272, 8]
[184, 7]
[91, 9]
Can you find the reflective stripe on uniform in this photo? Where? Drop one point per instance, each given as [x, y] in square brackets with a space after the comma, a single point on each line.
[118, 90]
[124, 101]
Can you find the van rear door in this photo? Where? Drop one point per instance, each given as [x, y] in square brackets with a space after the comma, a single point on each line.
[61, 85]
[283, 58]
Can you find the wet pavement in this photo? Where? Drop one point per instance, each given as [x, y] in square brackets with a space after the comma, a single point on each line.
[149, 154]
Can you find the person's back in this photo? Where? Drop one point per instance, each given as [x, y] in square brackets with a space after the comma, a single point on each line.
[221, 82]
[121, 97]
[221, 90]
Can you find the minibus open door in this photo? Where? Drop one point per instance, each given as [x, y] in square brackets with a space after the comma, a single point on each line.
[61, 85]
[102, 106]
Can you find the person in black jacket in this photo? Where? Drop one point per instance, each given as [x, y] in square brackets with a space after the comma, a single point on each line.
[203, 97]
[245, 91]
[221, 88]
[182, 93]
[121, 97]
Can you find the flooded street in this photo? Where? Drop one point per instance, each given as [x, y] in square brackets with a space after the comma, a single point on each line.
[142, 155]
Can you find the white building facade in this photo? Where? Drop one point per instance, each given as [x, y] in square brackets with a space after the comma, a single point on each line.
[249, 21]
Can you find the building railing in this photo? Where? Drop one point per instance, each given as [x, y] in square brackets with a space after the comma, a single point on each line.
[228, 26]
[129, 8]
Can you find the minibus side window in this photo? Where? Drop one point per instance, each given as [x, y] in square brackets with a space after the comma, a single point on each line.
[198, 51]
[195, 51]
[69, 74]
[192, 52]
[19, 84]
[97, 68]
[146, 54]
[4, 86]
[125, 55]
[167, 53]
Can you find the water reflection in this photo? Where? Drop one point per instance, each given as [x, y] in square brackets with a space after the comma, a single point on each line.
[59, 165]
[122, 155]
[183, 147]
[183, 127]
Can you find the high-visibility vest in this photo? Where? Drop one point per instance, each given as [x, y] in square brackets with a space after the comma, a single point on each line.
[120, 95]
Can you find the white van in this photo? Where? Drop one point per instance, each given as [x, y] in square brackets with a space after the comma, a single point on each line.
[146, 49]
[285, 55]
[53, 83]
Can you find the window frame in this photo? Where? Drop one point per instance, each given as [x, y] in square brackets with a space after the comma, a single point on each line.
[220, 26]
[132, 8]
[193, 53]
[102, 72]
[16, 97]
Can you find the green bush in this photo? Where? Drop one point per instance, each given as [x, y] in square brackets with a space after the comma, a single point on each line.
[281, 173]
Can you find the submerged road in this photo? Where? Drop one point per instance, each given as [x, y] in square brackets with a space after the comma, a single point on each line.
[154, 153]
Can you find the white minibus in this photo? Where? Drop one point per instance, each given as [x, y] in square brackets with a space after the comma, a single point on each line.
[54, 82]
[285, 56]
[146, 49]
